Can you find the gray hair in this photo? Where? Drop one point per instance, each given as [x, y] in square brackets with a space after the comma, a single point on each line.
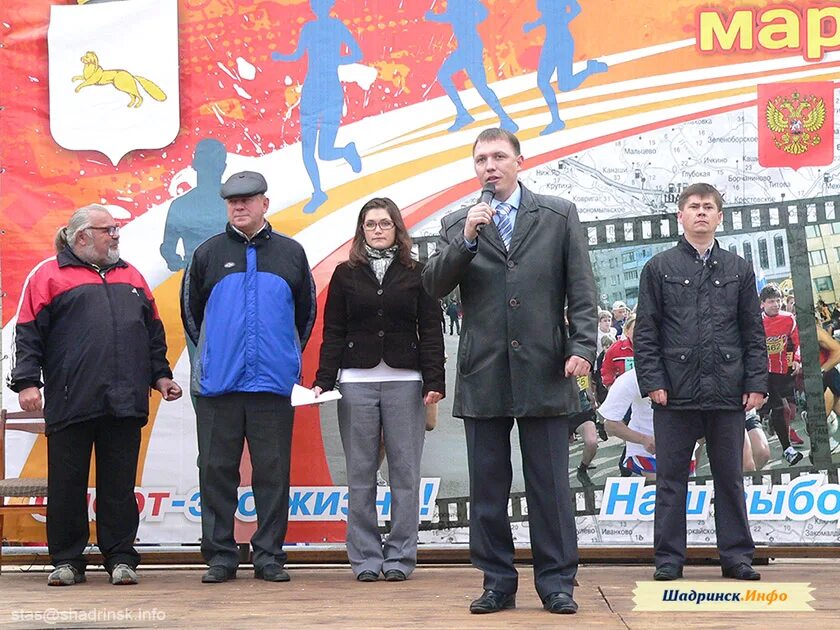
[80, 221]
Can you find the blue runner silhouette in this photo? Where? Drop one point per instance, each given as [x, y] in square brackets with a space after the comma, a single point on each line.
[558, 55]
[465, 16]
[200, 213]
[322, 96]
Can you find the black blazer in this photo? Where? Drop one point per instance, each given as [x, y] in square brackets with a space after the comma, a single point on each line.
[365, 323]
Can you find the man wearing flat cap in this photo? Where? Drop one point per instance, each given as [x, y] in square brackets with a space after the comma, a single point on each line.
[248, 304]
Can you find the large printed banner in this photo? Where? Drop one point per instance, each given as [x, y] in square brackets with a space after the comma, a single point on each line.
[319, 504]
[147, 105]
[803, 511]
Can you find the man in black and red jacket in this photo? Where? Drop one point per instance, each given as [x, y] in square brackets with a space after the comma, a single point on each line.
[88, 332]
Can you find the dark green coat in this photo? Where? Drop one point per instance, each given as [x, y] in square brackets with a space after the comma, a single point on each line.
[514, 343]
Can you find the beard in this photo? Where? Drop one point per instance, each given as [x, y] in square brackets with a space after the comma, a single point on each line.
[113, 255]
[89, 255]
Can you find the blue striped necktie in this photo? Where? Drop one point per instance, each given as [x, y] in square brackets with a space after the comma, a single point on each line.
[503, 223]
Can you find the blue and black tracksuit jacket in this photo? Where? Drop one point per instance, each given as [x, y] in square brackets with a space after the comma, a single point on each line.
[249, 307]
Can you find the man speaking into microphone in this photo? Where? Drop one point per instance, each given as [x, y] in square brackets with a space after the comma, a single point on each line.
[517, 360]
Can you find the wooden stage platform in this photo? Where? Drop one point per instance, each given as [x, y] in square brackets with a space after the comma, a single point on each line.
[434, 597]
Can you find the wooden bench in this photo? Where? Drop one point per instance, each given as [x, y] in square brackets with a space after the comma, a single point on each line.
[19, 487]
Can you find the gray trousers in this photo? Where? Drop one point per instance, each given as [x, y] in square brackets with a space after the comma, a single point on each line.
[395, 410]
[544, 443]
[676, 431]
[224, 422]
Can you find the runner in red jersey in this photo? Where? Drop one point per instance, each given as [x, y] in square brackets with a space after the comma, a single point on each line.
[781, 333]
[619, 357]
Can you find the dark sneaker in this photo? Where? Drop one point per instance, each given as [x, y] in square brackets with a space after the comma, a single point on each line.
[792, 456]
[741, 571]
[217, 574]
[272, 572]
[667, 572]
[583, 477]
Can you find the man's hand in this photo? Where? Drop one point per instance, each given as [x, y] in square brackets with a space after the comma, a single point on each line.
[797, 367]
[431, 398]
[577, 366]
[659, 396]
[479, 214]
[649, 444]
[30, 399]
[317, 391]
[169, 389]
[752, 400]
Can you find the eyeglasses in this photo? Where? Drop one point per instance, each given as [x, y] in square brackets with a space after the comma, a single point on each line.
[384, 225]
[113, 230]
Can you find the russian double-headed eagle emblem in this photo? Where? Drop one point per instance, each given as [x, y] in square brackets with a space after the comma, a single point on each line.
[795, 121]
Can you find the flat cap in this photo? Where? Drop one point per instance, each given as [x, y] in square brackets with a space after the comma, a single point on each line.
[244, 184]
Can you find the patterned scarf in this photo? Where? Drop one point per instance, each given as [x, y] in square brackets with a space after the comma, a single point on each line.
[381, 259]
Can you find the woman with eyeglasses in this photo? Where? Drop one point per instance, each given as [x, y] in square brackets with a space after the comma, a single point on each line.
[383, 332]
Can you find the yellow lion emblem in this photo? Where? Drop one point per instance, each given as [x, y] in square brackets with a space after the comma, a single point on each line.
[795, 122]
[123, 80]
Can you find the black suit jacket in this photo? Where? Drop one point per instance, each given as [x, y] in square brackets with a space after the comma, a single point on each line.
[365, 323]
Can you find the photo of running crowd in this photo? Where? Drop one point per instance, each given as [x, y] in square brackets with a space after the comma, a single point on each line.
[612, 435]
[616, 416]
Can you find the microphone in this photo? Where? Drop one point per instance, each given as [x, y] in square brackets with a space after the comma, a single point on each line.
[487, 194]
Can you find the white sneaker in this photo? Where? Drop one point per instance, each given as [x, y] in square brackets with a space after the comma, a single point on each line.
[65, 575]
[123, 575]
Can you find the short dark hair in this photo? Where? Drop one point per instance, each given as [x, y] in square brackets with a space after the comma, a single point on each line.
[769, 292]
[496, 133]
[358, 255]
[703, 190]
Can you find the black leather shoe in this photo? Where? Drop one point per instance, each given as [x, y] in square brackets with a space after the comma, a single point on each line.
[394, 575]
[367, 576]
[272, 572]
[741, 571]
[217, 574]
[560, 603]
[667, 572]
[493, 601]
